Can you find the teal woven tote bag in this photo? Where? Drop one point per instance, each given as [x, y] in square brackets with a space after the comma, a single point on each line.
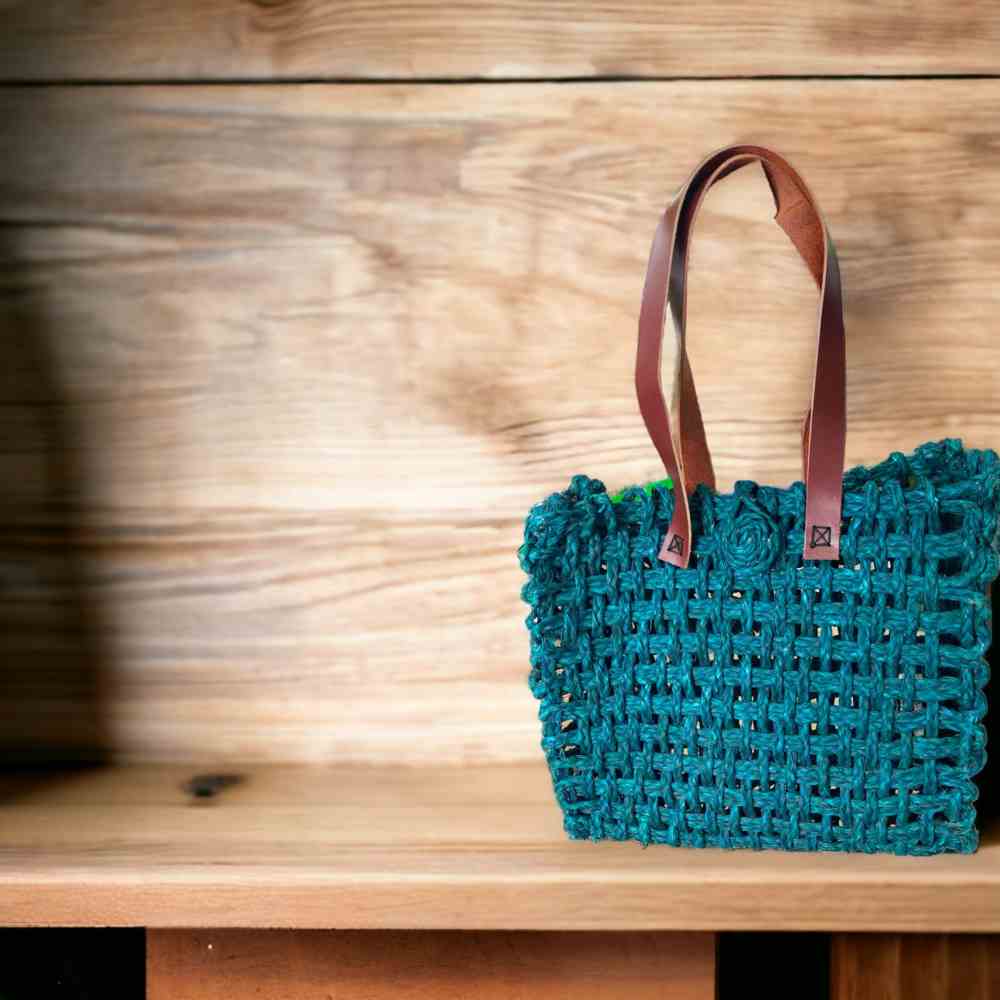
[797, 668]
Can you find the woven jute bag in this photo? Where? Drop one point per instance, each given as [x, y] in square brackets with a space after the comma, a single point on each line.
[798, 668]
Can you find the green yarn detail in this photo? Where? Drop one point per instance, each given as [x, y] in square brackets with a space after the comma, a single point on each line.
[756, 699]
[648, 489]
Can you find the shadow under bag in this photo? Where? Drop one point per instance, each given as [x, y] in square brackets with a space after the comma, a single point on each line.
[797, 668]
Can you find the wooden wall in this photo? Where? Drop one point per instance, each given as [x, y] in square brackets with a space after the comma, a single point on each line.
[500, 39]
[284, 364]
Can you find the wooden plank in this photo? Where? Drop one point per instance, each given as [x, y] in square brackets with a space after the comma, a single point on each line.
[227, 39]
[302, 965]
[318, 349]
[915, 967]
[477, 848]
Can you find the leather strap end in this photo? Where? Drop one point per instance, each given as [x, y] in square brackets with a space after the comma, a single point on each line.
[822, 541]
[821, 538]
[676, 547]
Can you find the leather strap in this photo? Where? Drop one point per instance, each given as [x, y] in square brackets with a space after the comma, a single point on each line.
[825, 428]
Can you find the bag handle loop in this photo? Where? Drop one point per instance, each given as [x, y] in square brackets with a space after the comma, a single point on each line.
[825, 428]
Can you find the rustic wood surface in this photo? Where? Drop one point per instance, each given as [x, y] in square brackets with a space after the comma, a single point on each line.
[313, 351]
[477, 848]
[915, 967]
[319, 39]
[365, 965]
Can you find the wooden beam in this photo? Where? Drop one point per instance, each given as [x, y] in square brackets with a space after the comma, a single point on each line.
[500, 39]
[915, 967]
[302, 965]
[479, 848]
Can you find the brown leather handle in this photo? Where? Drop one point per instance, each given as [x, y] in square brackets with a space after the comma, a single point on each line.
[825, 429]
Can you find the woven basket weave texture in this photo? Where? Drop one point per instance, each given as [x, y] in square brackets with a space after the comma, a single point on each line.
[755, 699]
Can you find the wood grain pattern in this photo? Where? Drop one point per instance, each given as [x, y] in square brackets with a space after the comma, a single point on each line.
[503, 39]
[316, 350]
[477, 848]
[914, 967]
[349, 965]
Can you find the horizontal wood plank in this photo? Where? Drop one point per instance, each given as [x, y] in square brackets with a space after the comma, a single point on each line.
[501, 39]
[285, 367]
[436, 965]
[915, 967]
[477, 848]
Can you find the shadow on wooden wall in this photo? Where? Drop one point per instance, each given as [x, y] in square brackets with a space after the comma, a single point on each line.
[52, 664]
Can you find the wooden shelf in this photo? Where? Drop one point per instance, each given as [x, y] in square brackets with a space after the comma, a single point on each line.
[482, 848]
